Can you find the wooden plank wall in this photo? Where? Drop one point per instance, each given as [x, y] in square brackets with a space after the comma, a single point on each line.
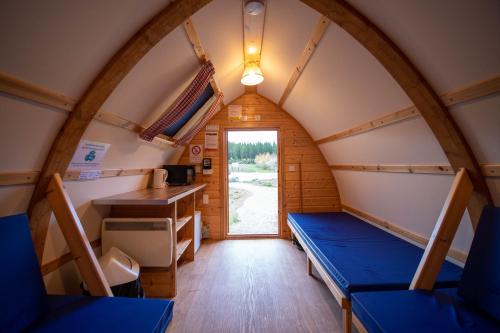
[318, 185]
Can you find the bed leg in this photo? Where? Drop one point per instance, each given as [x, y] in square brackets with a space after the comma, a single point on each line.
[309, 266]
[347, 319]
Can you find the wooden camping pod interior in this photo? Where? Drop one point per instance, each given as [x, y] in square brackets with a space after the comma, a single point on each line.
[368, 123]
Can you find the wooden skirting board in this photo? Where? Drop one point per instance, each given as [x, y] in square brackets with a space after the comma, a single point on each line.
[64, 259]
[453, 253]
[31, 177]
[488, 170]
[26, 90]
[465, 94]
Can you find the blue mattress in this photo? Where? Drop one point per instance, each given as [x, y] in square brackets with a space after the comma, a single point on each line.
[105, 314]
[416, 311]
[361, 257]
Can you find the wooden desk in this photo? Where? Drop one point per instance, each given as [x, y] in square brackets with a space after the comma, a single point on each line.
[176, 202]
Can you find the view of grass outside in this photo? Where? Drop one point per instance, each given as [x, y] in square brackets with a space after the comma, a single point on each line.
[253, 182]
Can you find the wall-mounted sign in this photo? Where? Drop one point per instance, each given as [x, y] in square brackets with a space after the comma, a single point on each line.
[195, 154]
[212, 137]
[234, 112]
[88, 155]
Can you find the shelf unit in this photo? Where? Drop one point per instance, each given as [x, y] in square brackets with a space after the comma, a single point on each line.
[181, 222]
[182, 247]
[175, 202]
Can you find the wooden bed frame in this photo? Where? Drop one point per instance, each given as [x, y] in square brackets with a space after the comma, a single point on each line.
[432, 259]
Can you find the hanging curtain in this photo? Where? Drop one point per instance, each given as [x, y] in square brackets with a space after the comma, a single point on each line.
[201, 123]
[182, 104]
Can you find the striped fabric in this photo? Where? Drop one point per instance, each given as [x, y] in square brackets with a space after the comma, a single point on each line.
[201, 123]
[182, 104]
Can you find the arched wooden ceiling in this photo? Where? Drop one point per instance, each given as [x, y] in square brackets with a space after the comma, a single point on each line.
[408, 77]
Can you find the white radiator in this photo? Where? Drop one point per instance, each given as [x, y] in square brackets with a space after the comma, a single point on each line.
[147, 240]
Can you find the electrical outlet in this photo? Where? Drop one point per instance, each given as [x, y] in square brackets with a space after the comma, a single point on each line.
[291, 168]
[205, 199]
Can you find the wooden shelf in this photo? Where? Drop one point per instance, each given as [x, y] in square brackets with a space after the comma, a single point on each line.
[181, 222]
[182, 246]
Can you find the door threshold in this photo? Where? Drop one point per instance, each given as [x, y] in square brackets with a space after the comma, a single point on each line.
[253, 236]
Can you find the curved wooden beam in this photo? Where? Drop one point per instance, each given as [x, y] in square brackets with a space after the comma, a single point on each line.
[101, 88]
[416, 87]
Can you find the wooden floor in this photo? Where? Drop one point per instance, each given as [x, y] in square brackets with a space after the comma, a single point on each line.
[252, 286]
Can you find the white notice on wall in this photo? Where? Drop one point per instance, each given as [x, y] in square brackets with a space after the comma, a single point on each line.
[88, 155]
[195, 154]
[89, 174]
[234, 112]
[211, 140]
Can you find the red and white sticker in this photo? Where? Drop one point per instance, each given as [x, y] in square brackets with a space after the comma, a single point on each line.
[195, 153]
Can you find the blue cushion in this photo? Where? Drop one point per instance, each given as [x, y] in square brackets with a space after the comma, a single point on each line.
[417, 311]
[480, 284]
[361, 257]
[106, 314]
[23, 298]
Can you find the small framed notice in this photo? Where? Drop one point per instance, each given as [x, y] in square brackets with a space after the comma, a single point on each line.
[234, 112]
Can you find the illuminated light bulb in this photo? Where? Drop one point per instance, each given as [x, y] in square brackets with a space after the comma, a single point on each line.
[252, 75]
[252, 50]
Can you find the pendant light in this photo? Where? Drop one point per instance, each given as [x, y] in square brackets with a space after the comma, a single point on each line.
[252, 75]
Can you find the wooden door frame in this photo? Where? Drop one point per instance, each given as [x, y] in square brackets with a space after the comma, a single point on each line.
[225, 184]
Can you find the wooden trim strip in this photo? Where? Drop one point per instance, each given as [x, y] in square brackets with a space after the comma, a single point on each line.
[465, 94]
[491, 170]
[391, 118]
[15, 87]
[311, 45]
[195, 41]
[408, 168]
[384, 224]
[31, 177]
[488, 170]
[64, 259]
[32, 92]
[18, 178]
[472, 91]
[115, 120]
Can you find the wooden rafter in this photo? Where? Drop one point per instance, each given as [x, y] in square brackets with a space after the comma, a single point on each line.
[443, 233]
[26, 90]
[195, 41]
[311, 45]
[464, 94]
[101, 88]
[409, 78]
[19, 88]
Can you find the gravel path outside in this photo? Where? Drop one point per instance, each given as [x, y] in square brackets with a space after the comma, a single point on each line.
[258, 213]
